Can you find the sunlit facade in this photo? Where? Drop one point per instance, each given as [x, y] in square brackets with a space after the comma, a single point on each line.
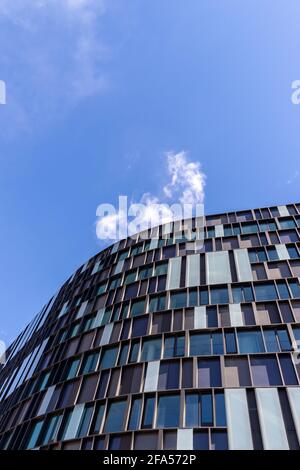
[164, 343]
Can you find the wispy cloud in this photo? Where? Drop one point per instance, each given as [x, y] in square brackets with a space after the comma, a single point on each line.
[295, 175]
[187, 179]
[52, 54]
[185, 185]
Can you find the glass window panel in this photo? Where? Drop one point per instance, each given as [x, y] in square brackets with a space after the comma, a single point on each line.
[139, 327]
[178, 300]
[98, 419]
[174, 346]
[201, 441]
[272, 254]
[148, 414]
[85, 421]
[265, 292]
[204, 296]
[136, 407]
[89, 363]
[283, 290]
[219, 440]
[250, 342]
[161, 269]
[295, 288]
[217, 341]
[168, 411]
[209, 373]
[271, 341]
[206, 409]
[192, 410]
[115, 417]
[123, 355]
[134, 353]
[168, 375]
[200, 344]
[284, 340]
[151, 349]
[137, 307]
[219, 295]
[288, 371]
[265, 371]
[34, 435]
[108, 359]
[220, 409]
[51, 430]
[157, 303]
[218, 267]
[230, 343]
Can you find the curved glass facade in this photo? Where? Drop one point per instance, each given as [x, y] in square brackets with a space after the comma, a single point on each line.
[164, 343]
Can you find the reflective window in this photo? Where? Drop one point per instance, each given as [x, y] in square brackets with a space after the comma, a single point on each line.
[134, 351]
[265, 371]
[89, 363]
[295, 288]
[135, 414]
[34, 435]
[115, 417]
[123, 355]
[139, 326]
[148, 414]
[265, 291]
[219, 295]
[174, 346]
[98, 419]
[157, 302]
[209, 373]
[85, 421]
[178, 299]
[51, 428]
[220, 409]
[242, 294]
[168, 375]
[151, 349]
[168, 411]
[161, 269]
[108, 358]
[230, 343]
[137, 307]
[250, 342]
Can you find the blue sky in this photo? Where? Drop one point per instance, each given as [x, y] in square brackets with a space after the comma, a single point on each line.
[98, 91]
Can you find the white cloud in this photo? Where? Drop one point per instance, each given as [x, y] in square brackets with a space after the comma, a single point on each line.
[52, 54]
[187, 179]
[186, 186]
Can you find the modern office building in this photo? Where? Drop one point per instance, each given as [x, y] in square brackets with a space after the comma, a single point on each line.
[166, 343]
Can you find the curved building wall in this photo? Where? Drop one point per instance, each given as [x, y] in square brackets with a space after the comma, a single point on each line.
[167, 344]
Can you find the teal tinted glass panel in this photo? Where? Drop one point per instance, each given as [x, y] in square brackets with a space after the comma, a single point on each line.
[151, 349]
[192, 410]
[108, 358]
[200, 344]
[168, 411]
[219, 295]
[271, 341]
[148, 413]
[135, 414]
[250, 342]
[115, 418]
[96, 428]
[178, 300]
[34, 435]
[265, 292]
